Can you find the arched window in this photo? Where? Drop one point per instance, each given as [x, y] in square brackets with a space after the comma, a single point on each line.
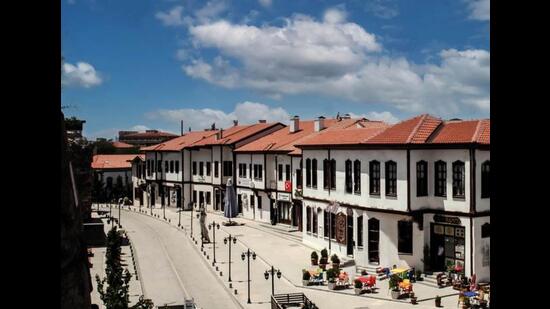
[421, 178]
[374, 177]
[458, 179]
[391, 178]
[314, 173]
[440, 178]
[349, 182]
[308, 172]
[308, 219]
[485, 179]
[357, 177]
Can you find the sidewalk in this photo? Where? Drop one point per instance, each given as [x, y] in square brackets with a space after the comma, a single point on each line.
[290, 256]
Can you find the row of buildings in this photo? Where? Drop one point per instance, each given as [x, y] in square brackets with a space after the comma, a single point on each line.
[414, 193]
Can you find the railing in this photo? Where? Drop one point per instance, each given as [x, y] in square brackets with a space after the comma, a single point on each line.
[280, 301]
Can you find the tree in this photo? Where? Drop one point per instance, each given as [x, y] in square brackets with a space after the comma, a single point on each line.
[115, 294]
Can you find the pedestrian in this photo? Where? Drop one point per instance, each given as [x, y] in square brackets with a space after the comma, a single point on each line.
[204, 230]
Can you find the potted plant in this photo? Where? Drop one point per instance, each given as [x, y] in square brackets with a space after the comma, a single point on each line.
[394, 286]
[438, 301]
[314, 258]
[335, 261]
[419, 275]
[331, 278]
[358, 286]
[305, 277]
[324, 259]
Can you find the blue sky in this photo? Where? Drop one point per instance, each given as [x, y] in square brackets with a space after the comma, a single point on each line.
[151, 63]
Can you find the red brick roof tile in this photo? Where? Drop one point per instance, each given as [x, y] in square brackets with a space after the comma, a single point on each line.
[114, 161]
[178, 143]
[122, 145]
[235, 134]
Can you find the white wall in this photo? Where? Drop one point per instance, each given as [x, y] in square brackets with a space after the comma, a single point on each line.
[482, 251]
[482, 204]
[448, 203]
[295, 166]
[173, 156]
[150, 155]
[204, 188]
[201, 155]
[365, 156]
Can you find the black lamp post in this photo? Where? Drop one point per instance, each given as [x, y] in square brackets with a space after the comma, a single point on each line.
[202, 236]
[179, 216]
[111, 213]
[272, 272]
[119, 206]
[192, 206]
[215, 226]
[225, 241]
[248, 253]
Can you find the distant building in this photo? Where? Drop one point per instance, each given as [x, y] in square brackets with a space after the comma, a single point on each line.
[114, 173]
[73, 127]
[147, 138]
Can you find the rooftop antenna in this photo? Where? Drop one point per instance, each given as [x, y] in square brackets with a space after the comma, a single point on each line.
[181, 127]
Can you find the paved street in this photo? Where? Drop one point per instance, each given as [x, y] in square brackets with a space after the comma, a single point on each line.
[171, 265]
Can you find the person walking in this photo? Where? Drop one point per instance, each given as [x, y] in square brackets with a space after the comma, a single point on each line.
[204, 230]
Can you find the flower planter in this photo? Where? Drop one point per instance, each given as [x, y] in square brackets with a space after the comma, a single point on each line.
[413, 300]
[331, 285]
[395, 294]
[438, 302]
[313, 262]
[358, 291]
[335, 265]
[305, 282]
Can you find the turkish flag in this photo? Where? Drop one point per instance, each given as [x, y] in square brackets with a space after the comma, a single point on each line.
[288, 186]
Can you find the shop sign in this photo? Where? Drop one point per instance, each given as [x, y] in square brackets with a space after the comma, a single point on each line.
[285, 197]
[446, 219]
[341, 222]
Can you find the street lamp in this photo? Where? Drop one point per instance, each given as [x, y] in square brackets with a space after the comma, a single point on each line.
[119, 206]
[272, 272]
[225, 241]
[111, 213]
[192, 206]
[202, 235]
[216, 226]
[248, 253]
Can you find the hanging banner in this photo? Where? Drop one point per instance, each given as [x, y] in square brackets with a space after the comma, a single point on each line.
[341, 222]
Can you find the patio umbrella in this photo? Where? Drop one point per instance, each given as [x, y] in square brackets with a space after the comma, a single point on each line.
[230, 202]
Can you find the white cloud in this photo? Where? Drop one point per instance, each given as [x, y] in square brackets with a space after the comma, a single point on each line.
[265, 3]
[172, 17]
[385, 9]
[387, 117]
[139, 127]
[199, 119]
[335, 16]
[479, 9]
[83, 75]
[211, 10]
[337, 58]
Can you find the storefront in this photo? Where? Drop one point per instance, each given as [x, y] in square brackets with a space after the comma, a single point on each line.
[447, 243]
[284, 213]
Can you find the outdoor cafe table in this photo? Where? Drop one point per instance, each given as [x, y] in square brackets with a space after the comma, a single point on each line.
[362, 279]
[401, 272]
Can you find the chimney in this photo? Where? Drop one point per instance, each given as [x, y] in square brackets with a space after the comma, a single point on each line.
[294, 124]
[219, 135]
[346, 116]
[262, 121]
[319, 124]
[181, 128]
[235, 123]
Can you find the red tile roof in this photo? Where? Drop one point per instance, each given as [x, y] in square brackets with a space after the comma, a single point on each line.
[178, 143]
[235, 134]
[415, 130]
[462, 132]
[114, 161]
[352, 132]
[122, 145]
[149, 134]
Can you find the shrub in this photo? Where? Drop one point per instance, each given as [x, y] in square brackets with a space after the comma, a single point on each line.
[306, 275]
[358, 284]
[314, 255]
[324, 253]
[334, 258]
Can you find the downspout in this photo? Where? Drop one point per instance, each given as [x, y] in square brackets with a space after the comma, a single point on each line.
[409, 180]
[329, 165]
[182, 182]
[472, 205]
[191, 177]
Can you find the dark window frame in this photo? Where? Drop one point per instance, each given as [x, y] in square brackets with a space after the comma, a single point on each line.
[348, 177]
[177, 166]
[314, 222]
[404, 237]
[360, 231]
[391, 178]
[326, 226]
[440, 178]
[314, 173]
[421, 178]
[486, 179]
[287, 172]
[194, 168]
[171, 166]
[374, 177]
[459, 179]
[216, 169]
[357, 176]
[201, 168]
[280, 172]
[308, 173]
[208, 169]
[308, 219]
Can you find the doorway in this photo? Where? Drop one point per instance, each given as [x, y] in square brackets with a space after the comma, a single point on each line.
[350, 236]
[374, 239]
[153, 196]
[447, 246]
[297, 215]
[178, 197]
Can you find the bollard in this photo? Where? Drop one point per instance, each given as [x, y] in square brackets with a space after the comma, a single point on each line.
[230, 285]
[235, 291]
[217, 268]
[207, 257]
[221, 273]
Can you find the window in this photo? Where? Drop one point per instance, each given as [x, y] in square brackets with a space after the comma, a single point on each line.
[333, 174]
[109, 183]
[227, 168]
[308, 173]
[194, 168]
[195, 196]
[166, 166]
[242, 170]
[357, 177]
[171, 166]
[349, 182]
[485, 230]
[421, 178]
[280, 172]
[404, 231]
[250, 170]
[374, 177]
[259, 202]
[159, 166]
[287, 172]
[485, 179]
[148, 167]
[315, 224]
[440, 179]
[391, 178]
[208, 197]
[325, 222]
[308, 219]
[326, 174]
[258, 171]
[177, 167]
[458, 179]
[360, 231]
[216, 172]
[252, 201]
[299, 178]
[314, 173]
[208, 168]
[201, 168]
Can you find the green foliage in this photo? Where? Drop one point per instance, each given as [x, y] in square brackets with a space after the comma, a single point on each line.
[358, 284]
[305, 275]
[314, 255]
[334, 258]
[324, 253]
[113, 289]
[331, 275]
[394, 282]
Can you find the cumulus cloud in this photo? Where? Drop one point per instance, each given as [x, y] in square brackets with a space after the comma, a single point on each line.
[211, 10]
[245, 113]
[265, 3]
[479, 9]
[139, 127]
[335, 57]
[172, 17]
[387, 117]
[82, 74]
[384, 9]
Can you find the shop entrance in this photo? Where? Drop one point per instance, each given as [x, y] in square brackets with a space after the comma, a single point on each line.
[374, 239]
[447, 246]
[284, 212]
[297, 215]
